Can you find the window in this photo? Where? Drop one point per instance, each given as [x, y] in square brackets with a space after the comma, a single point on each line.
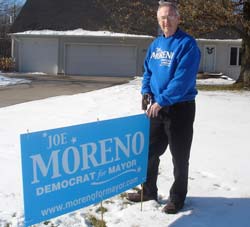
[235, 56]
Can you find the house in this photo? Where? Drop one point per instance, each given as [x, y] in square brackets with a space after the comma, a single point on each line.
[79, 52]
[75, 38]
[220, 53]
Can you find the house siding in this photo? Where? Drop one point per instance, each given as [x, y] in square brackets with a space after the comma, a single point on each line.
[222, 56]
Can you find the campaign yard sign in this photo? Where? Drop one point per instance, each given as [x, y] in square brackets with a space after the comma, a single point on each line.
[69, 168]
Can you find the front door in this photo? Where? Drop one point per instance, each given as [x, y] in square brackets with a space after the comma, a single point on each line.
[209, 58]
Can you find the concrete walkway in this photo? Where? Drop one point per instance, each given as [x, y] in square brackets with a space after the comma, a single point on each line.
[44, 86]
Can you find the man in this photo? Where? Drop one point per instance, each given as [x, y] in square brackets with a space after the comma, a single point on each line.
[171, 65]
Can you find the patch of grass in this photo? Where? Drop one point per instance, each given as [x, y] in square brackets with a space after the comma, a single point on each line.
[127, 203]
[224, 87]
[101, 209]
[123, 195]
[49, 223]
[46, 222]
[109, 202]
[136, 189]
[96, 222]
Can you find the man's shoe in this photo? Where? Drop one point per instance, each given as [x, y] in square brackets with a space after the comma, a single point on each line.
[172, 208]
[136, 197]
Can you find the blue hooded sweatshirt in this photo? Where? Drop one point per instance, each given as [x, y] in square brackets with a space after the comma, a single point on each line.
[171, 66]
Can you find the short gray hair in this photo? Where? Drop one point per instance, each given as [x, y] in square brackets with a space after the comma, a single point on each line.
[173, 5]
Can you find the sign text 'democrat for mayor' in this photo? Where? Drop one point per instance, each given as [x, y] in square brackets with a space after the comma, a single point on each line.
[69, 168]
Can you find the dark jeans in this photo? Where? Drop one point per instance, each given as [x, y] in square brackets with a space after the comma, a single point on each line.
[173, 127]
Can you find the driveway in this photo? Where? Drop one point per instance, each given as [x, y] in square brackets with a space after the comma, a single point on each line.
[44, 86]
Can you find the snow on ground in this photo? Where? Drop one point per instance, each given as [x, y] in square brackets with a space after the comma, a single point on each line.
[223, 80]
[219, 186]
[6, 81]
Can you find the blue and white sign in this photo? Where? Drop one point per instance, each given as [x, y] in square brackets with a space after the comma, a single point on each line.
[69, 168]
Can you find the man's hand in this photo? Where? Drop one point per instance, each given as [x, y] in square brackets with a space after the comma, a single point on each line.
[154, 110]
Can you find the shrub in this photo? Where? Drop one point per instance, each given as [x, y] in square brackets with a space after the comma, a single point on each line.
[7, 64]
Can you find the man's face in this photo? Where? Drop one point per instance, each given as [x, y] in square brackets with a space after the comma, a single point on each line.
[168, 20]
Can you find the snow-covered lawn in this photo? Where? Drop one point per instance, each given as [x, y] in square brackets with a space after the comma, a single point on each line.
[219, 184]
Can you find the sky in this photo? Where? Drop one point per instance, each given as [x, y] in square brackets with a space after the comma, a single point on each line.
[219, 186]
[12, 1]
[7, 5]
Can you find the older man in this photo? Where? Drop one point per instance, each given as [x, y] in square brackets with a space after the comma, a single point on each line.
[169, 80]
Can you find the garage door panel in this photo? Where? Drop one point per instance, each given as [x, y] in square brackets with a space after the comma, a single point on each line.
[100, 60]
[39, 55]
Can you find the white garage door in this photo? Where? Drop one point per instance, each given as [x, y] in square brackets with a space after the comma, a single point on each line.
[38, 55]
[100, 60]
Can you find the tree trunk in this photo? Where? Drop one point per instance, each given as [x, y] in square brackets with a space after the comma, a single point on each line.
[246, 72]
[245, 64]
